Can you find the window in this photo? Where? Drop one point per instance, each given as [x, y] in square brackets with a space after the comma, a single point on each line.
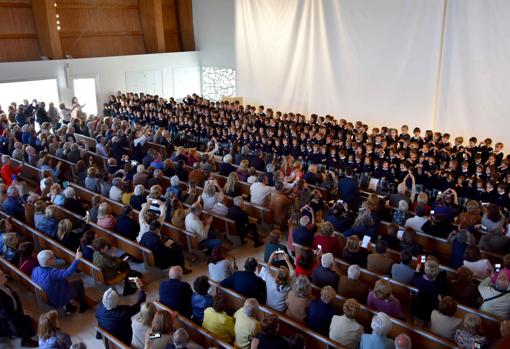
[85, 91]
[43, 90]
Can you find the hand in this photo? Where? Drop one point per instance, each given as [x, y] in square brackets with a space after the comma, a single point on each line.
[78, 254]
[138, 283]
[169, 243]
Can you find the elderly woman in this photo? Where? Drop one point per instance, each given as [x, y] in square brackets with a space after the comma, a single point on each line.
[467, 335]
[345, 329]
[429, 288]
[56, 195]
[93, 181]
[381, 299]
[65, 235]
[105, 217]
[363, 225]
[299, 299]
[278, 282]
[138, 198]
[116, 318]
[321, 311]
[141, 323]
[50, 335]
[174, 190]
[116, 191]
[72, 203]
[10, 248]
[353, 253]
[327, 240]
[381, 326]
[400, 215]
[212, 195]
[46, 223]
[442, 321]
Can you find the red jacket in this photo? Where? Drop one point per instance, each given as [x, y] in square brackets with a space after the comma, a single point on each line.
[6, 172]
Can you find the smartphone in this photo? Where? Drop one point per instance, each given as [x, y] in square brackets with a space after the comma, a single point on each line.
[497, 267]
[365, 241]
[279, 251]
[400, 234]
[439, 193]
[386, 278]
[88, 213]
[125, 258]
[319, 247]
[484, 228]
[155, 336]
[134, 163]
[132, 279]
[423, 259]
[65, 184]
[431, 212]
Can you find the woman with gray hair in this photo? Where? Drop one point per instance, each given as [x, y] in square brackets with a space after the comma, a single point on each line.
[467, 335]
[72, 203]
[363, 225]
[381, 326]
[400, 215]
[138, 198]
[299, 299]
[429, 288]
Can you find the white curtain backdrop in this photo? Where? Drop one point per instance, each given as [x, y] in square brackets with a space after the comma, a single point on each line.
[475, 76]
[380, 61]
[359, 59]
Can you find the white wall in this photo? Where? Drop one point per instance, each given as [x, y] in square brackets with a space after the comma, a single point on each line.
[214, 27]
[110, 73]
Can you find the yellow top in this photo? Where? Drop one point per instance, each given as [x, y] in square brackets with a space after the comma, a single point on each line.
[219, 324]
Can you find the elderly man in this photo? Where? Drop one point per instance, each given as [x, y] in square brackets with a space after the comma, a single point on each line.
[246, 326]
[226, 167]
[157, 178]
[381, 325]
[247, 283]
[200, 228]
[140, 177]
[243, 225]
[403, 341]
[54, 282]
[351, 287]
[12, 206]
[176, 293]
[496, 298]
[260, 191]
[303, 234]
[325, 275]
[116, 318]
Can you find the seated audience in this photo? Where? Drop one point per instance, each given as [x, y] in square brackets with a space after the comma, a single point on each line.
[351, 287]
[481, 268]
[409, 243]
[175, 293]
[321, 311]
[47, 223]
[138, 198]
[299, 299]
[218, 322]
[442, 321]
[416, 222]
[344, 328]
[268, 336]
[201, 228]
[324, 275]
[246, 324]
[12, 205]
[243, 225]
[304, 233]
[274, 245]
[260, 192]
[400, 215]
[327, 240]
[116, 318]
[438, 226]
[126, 225]
[27, 258]
[402, 272]
[381, 299]
[467, 335]
[72, 203]
[86, 245]
[381, 325]
[429, 288]
[66, 236]
[105, 217]
[463, 288]
[353, 253]
[10, 248]
[496, 297]
[219, 267]
[279, 204]
[306, 263]
[162, 326]
[50, 335]
[200, 299]
[379, 262]
[141, 323]
[247, 283]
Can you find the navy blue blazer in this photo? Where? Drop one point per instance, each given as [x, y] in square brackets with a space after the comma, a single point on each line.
[348, 189]
[247, 284]
[176, 295]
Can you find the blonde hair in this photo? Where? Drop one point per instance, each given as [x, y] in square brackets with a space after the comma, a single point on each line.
[147, 313]
[48, 324]
[209, 189]
[471, 323]
[382, 289]
[431, 268]
[351, 307]
[162, 322]
[231, 182]
[104, 210]
[472, 206]
[328, 294]
[327, 229]
[422, 198]
[49, 210]
[155, 191]
[64, 227]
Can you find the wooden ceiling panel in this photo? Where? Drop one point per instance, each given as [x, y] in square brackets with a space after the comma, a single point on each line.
[173, 42]
[97, 3]
[103, 46]
[14, 50]
[16, 20]
[99, 20]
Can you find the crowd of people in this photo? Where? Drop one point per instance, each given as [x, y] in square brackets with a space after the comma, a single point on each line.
[307, 173]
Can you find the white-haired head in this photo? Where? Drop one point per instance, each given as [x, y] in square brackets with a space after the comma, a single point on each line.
[181, 338]
[381, 324]
[140, 168]
[238, 201]
[401, 188]
[304, 221]
[403, 341]
[250, 307]
[44, 258]
[174, 181]
[327, 260]
[403, 205]
[139, 190]
[110, 299]
[353, 272]
[227, 158]
[69, 193]
[175, 273]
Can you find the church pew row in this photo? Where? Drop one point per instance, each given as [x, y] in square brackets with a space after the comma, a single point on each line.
[130, 247]
[43, 242]
[25, 280]
[287, 327]
[196, 333]
[420, 338]
[180, 235]
[110, 341]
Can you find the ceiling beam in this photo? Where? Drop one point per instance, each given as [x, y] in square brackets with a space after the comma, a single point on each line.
[45, 13]
[185, 20]
[151, 15]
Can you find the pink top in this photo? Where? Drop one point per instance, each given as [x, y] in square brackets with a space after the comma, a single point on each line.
[481, 268]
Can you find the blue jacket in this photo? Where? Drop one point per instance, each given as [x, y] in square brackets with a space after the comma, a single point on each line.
[199, 303]
[127, 227]
[14, 208]
[348, 190]
[303, 236]
[319, 316]
[117, 321]
[374, 341]
[247, 284]
[53, 282]
[325, 277]
[176, 295]
[226, 169]
[59, 341]
[47, 225]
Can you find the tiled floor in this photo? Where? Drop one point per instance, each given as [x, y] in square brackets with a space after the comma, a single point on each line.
[81, 326]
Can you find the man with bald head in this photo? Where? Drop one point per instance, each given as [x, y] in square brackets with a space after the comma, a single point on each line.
[496, 297]
[402, 341]
[175, 293]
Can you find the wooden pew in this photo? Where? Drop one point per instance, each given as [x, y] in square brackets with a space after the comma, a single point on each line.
[43, 242]
[288, 327]
[30, 174]
[157, 147]
[88, 141]
[110, 341]
[419, 337]
[130, 247]
[17, 275]
[196, 333]
[180, 235]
